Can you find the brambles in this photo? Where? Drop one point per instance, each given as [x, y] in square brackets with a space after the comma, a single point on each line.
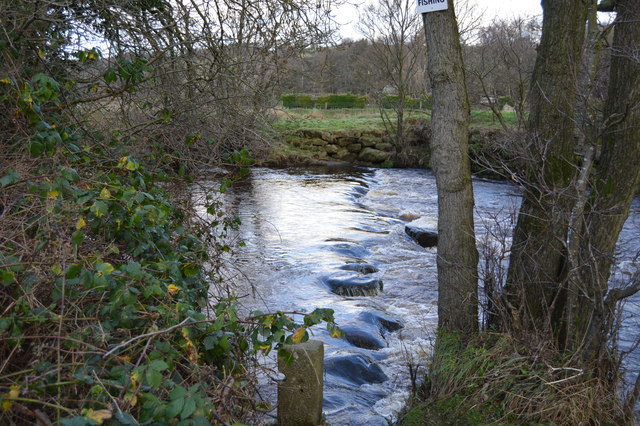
[105, 273]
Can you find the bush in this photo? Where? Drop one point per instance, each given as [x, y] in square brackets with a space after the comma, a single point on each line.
[104, 278]
[297, 101]
[341, 101]
[391, 102]
[348, 101]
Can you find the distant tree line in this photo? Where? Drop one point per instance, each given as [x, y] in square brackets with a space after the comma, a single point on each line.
[499, 60]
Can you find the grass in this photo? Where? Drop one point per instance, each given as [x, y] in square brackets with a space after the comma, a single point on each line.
[365, 119]
[493, 379]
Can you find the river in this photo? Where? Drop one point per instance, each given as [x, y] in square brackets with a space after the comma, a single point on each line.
[303, 228]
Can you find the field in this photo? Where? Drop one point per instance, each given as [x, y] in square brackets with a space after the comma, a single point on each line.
[366, 119]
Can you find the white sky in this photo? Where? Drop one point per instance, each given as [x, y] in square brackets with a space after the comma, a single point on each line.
[347, 16]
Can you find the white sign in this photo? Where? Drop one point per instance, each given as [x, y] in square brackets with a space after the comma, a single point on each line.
[426, 6]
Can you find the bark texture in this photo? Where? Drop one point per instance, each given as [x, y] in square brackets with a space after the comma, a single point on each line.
[616, 181]
[537, 264]
[457, 254]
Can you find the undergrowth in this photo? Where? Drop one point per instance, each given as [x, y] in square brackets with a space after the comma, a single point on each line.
[495, 380]
[104, 276]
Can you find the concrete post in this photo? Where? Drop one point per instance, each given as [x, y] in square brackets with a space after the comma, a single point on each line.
[300, 393]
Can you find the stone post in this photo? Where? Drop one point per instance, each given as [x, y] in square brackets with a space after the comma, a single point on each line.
[300, 393]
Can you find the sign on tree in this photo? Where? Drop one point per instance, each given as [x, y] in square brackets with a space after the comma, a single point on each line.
[426, 6]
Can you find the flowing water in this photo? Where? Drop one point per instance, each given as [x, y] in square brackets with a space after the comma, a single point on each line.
[307, 228]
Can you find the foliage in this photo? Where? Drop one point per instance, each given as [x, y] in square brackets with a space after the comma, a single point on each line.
[493, 379]
[297, 101]
[104, 276]
[391, 102]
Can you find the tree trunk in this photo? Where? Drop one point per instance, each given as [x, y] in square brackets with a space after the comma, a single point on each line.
[616, 181]
[457, 254]
[536, 269]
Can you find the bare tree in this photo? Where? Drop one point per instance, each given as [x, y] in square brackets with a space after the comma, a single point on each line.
[501, 63]
[391, 27]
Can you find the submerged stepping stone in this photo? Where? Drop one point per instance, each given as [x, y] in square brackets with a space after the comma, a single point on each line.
[362, 338]
[354, 286]
[357, 369]
[363, 268]
[425, 237]
[385, 322]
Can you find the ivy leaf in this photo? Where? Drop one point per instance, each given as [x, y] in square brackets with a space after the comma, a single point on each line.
[104, 268]
[298, 335]
[99, 209]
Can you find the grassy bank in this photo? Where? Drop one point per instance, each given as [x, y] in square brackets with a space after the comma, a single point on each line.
[366, 119]
[493, 379]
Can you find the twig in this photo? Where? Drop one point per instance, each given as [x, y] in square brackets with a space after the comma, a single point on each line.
[142, 336]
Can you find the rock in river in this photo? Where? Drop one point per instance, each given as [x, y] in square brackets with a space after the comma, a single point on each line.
[424, 237]
[385, 322]
[354, 286]
[357, 369]
[363, 268]
[362, 338]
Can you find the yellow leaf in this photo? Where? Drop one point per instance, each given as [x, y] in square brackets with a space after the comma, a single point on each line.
[123, 162]
[80, 223]
[7, 398]
[41, 53]
[173, 289]
[56, 269]
[98, 416]
[298, 335]
[337, 333]
[104, 269]
[53, 194]
[264, 347]
[5, 81]
[131, 398]
[105, 194]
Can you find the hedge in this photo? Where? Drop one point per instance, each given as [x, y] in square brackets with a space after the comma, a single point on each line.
[347, 100]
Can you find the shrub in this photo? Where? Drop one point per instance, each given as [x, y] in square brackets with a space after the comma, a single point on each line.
[297, 101]
[105, 275]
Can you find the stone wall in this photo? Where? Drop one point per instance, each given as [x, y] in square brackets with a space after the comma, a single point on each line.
[369, 147]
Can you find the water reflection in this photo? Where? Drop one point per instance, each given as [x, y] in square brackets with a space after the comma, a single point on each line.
[305, 227]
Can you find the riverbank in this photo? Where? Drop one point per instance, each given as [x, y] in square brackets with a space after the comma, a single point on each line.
[494, 379]
[315, 137]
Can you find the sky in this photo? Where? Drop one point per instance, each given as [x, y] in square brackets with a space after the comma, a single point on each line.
[347, 15]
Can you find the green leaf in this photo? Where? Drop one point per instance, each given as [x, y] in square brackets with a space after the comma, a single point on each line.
[9, 178]
[174, 408]
[76, 421]
[158, 365]
[189, 408]
[104, 268]
[125, 418]
[110, 76]
[99, 208]
[154, 378]
[177, 393]
[77, 237]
